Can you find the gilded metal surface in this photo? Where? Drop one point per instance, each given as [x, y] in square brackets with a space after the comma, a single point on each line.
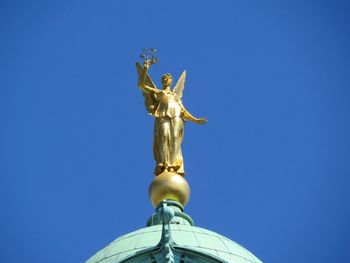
[169, 186]
[170, 115]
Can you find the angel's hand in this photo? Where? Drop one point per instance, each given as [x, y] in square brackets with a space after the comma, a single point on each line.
[146, 64]
[202, 121]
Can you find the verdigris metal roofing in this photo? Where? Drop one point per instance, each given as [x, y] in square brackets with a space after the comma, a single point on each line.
[190, 238]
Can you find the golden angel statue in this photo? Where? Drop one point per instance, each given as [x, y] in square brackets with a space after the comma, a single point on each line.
[170, 116]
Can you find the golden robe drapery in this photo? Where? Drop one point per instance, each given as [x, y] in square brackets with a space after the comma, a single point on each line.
[168, 132]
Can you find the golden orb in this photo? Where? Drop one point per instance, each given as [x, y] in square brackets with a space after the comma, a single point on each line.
[169, 186]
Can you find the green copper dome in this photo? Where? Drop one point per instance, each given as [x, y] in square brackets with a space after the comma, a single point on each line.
[189, 237]
[173, 241]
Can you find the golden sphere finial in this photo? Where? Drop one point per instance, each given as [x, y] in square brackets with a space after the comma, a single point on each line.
[169, 186]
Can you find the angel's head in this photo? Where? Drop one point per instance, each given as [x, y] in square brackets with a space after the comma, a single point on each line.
[167, 80]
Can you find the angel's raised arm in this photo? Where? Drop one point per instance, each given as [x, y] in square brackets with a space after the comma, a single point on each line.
[145, 82]
[148, 89]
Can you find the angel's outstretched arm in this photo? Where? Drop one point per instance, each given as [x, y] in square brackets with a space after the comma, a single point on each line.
[190, 117]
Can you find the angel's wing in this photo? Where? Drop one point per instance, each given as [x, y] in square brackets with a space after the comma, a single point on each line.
[178, 89]
[150, 102]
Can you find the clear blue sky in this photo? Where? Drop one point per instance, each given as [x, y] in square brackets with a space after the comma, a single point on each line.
[270, 170]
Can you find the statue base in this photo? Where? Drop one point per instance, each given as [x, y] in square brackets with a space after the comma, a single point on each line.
[169, 186]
